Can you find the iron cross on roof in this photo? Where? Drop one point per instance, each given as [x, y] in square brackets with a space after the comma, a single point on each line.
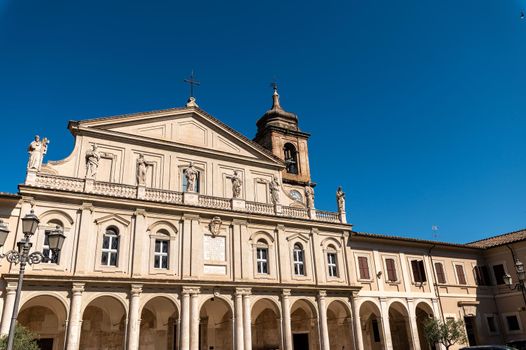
[192, 82]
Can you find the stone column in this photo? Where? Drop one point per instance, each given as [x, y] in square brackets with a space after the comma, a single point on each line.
[285, 319]
[194, 320]
[358, 336]
[386, 328]
[238, 323]
[185, 320]
[9, 304]
[413, 325]
[134, 319]
[75, 317]
[324, 330]
[247, 320]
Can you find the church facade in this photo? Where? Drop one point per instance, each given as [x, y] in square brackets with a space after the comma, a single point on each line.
[181, 233]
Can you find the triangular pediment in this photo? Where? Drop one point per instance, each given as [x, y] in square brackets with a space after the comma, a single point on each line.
[188, 127]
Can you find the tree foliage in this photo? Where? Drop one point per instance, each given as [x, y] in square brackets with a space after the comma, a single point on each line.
[24, 340]
[447, 333]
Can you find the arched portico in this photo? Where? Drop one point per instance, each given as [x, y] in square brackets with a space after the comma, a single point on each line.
[340, 326]
[103, 324]
[304, 325]
[400, 327]
[215, 326]
[45, 315]
[423, 312]
[159, 325]
[371, 323]
[266, 330]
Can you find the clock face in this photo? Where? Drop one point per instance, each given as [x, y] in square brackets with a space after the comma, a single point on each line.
[296, 195]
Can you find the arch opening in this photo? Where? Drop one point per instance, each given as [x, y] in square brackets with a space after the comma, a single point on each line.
[304, 325]
[266, 330]
[339, 324]
[400, 327]
[370, 318]
[215, 328]
[103, 324]
[423, 314]
[159, 325]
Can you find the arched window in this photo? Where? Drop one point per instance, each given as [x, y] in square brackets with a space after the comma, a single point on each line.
[110, 247]
[299, 260]
[161, 252]
[332, 261]
[291, 158]
[262, 257]
[53, 258]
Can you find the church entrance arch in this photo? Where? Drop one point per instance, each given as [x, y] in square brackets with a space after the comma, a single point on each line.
[304, 325]
[159, 325]
[103, 324]
[340, 326]
[215, 327]
[45, 316]
[400, 327]
[370, 318]
[266, 330]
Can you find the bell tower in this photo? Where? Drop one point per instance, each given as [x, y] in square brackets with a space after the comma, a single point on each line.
[278, 132]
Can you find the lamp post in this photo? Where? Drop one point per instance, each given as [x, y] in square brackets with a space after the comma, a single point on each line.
[23, 257]
[521, 276]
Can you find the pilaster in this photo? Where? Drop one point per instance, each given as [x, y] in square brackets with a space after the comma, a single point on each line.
[134, 320]
[75, 317]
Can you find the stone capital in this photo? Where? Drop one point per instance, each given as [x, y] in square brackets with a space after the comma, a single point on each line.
[140, 212]
[191, 217]
[243, 291]
[136, 289]
[243, 222]
[77, 288]
[28, 199]
[190, 290]
[280, 227]
[285, 293]
[87, 206]
[322, 294]
[11, 287]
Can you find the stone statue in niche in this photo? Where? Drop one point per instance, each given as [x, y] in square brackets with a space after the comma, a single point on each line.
[92, 162]
[309, 196]
[191, 178]
[215, 226]
[37, 149]
[142, 170]
[340, 199]
[236, 185]
[274, 190]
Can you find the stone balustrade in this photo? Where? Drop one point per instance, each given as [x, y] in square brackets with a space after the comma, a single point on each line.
[62, 183]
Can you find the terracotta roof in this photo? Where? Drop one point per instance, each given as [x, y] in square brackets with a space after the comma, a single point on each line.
[502, 239]
[408, 239]
[235, 132]
[10, 195]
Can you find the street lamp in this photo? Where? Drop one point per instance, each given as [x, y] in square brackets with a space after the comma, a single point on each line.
[23, 257]
[521, 276]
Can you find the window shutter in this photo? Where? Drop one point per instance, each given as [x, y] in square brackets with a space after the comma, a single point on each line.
[460, 274]
[485, 275]
[441, 276]
[363, 267]
[414, 268]
[422, 271]
[391, 270]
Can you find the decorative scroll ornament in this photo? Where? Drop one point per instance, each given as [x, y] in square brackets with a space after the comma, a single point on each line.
[215, 225]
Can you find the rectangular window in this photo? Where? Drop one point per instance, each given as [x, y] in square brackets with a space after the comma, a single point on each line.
[513, 323]
[441, 275]
[332, 265]
[262, 260]
[363, 267]
[499, 272]
[391, 270]
[492, 324]
[482, 276]
[299, 262]
[160, 255]
[110, 250]
[419, 272]
[461, 276]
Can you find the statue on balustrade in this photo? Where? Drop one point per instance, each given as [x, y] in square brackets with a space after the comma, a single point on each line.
[274, 190]
[142, 170]
[92, 162]
[37, 149]
[309, 195]
[236, 185]
[340, 199]
[191, 178]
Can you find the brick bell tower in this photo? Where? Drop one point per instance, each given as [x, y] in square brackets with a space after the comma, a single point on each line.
[278, 132]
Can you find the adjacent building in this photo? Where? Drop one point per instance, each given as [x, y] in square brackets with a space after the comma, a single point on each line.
[181, 233]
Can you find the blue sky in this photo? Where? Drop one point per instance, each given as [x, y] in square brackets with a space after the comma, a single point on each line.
[416, 107]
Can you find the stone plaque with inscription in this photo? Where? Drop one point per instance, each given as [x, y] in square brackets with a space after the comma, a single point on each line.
[214, 248]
